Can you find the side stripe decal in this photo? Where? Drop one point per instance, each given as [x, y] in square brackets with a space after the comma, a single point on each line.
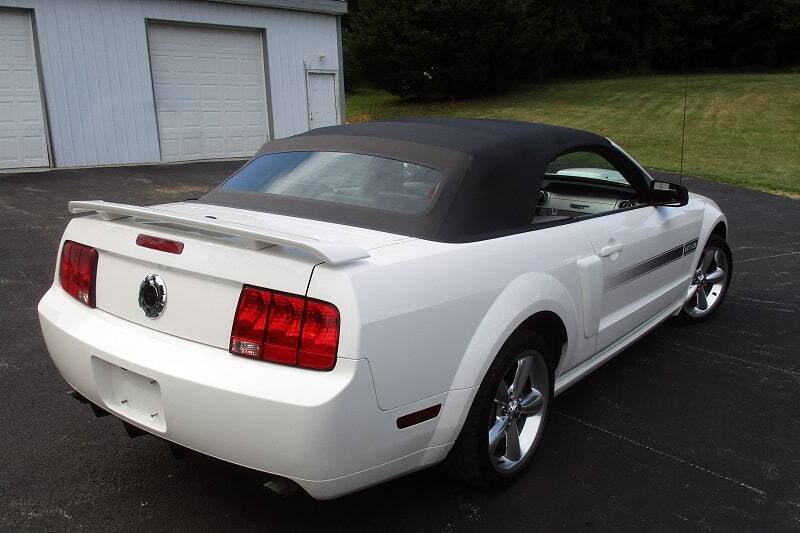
[649, 265]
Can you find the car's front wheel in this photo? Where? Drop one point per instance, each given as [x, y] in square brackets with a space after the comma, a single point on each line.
[710, 282]
[507, 418]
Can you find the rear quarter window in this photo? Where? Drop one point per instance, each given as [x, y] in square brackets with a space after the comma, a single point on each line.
[341, 178]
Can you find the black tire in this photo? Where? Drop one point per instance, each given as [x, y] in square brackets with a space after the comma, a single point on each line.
[470, 460]
[686, 315]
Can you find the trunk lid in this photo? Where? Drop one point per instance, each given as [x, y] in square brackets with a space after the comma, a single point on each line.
[203, 282]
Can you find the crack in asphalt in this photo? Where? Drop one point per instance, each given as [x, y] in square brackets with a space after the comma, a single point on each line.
[664, 454]
[739, 359]
[767, 257]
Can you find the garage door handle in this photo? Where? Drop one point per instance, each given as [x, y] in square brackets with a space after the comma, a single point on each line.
[611, 249]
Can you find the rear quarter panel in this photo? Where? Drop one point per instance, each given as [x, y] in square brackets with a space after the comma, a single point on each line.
[430, 317]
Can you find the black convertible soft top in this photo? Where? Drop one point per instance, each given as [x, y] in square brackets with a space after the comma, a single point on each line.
[493, 170]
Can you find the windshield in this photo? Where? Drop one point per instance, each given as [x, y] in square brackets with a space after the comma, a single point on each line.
[340, 178]
[585, 165]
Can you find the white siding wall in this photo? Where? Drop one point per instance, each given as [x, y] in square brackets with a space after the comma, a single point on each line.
[96, 72]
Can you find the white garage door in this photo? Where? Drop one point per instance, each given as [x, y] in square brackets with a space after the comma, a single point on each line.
[209, 90]
[321, 100]
[22, 137]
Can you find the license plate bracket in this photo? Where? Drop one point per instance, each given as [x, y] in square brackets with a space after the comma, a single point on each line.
[132, 395]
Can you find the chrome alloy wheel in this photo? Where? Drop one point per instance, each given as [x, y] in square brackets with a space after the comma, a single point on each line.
[710, 281]
[519, 405]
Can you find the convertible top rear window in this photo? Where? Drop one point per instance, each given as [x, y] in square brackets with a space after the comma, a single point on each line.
[340, 178]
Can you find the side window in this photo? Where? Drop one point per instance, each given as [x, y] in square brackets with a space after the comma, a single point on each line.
[582, 183]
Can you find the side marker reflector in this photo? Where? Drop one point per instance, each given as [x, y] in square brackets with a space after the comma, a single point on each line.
[418, 417]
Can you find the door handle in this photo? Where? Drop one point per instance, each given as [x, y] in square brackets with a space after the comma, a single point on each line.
[611, 249]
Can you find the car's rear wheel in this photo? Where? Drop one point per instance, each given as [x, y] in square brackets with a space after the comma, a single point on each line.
[508, 416]
[710, 283]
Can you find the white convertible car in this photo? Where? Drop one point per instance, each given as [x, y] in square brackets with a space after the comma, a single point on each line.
[359, 302]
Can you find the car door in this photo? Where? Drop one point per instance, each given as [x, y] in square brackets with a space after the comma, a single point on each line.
[643, 253]
[639, 267]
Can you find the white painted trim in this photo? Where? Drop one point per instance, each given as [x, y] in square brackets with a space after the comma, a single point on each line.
[336, 7]
[153, 87]
[37, 56]
[267, 84]
[340, 51]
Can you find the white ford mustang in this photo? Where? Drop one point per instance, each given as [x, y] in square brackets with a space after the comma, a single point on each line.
[362, 301]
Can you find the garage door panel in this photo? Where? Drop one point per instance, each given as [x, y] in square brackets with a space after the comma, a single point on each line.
[234, 119]
[211, 119]
[230, 67]
[167, 119]
[254, 121]
[163, 93]
[251, 95]
[26, 80]
[252, 67]
[232, 92]
[22, 131]
[210, 93]
[8, 148]
[215, 145]
[30, 113]
[170, 149]
[31, 145]
[187, 92]
[193, 145]
[6, 113]
[210, 90]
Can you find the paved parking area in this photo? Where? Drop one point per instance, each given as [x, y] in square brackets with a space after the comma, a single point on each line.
[692, 428]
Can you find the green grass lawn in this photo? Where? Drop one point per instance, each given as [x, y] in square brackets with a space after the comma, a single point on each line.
[742, 129]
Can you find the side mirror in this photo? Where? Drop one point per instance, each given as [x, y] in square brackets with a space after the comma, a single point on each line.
[668, 194]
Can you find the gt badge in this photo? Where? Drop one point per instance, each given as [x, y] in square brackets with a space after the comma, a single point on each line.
[689, 247]
[152, 296]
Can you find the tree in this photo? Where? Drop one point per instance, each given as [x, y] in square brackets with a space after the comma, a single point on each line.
[461, 48]
[444, 48]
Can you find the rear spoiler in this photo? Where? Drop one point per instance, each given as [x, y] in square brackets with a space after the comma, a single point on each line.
[252, 237]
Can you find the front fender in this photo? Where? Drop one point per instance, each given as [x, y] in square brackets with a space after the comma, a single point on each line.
[712, 215]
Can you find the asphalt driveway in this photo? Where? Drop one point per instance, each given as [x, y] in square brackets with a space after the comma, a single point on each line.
[692, 428]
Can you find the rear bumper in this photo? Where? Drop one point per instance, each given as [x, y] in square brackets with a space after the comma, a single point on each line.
[324, 430]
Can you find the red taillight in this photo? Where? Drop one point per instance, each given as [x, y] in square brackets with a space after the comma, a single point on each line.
[157, 243]
[283, 328]
[320, 336]
[247, 335]
[77, 271]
